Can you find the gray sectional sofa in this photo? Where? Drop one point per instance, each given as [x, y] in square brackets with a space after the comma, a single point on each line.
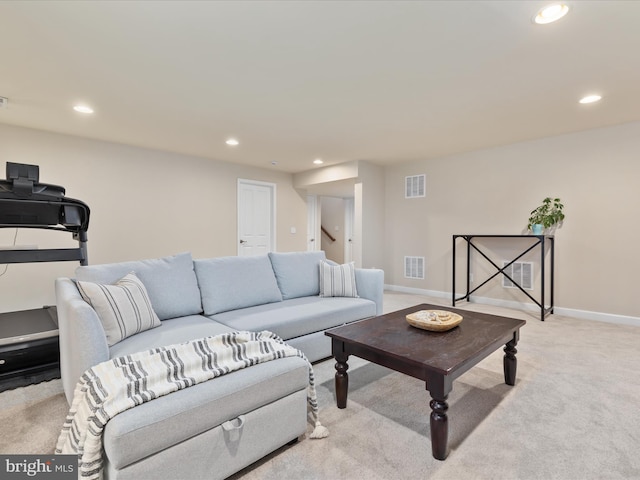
[212, 429]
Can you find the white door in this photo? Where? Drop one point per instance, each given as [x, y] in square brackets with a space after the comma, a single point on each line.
[313, 223]
[256, 217]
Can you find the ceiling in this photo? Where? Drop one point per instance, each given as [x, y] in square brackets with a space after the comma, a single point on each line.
[297, 80]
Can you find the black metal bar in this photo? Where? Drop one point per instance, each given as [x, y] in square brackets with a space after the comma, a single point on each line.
[453, 292]
[82, 238]
[453, 289]
[44, 255]
[553, 270]
[468, 269]
[542, 279]
[39, 227]
[501, 270]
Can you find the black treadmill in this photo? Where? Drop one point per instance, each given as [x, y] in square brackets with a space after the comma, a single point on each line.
[29, 351]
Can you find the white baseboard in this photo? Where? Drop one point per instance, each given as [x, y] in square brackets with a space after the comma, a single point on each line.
[569, 312]
[418, 291]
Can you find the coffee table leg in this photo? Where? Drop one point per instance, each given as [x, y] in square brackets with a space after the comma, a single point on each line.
[510, 363]
[439, 427]
[342, 380]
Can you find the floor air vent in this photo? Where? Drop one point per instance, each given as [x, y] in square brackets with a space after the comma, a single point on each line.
[414, 267]
[521, 272]
[414, 186]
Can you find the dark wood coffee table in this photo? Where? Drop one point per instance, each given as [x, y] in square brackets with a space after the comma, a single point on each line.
[438, 358]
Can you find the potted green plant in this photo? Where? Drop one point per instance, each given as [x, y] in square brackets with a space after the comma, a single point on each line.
[546, 215]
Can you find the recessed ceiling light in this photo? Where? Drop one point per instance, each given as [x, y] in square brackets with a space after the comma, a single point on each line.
[551, 13]
[318, 161]
[83, 109]
[232, 141]
[590, 98]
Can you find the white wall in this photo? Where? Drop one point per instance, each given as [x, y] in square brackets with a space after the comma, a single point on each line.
[372, 209]
[144, 204]
[492, 191]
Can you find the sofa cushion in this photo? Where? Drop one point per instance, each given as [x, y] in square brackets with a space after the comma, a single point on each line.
[168, 420]
[174, 330]
[299, 316]
[297, 273]
[229, 283]
[170, 282]
[338, 280]
[124, 308]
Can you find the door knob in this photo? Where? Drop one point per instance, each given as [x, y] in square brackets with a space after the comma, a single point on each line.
[243, 241]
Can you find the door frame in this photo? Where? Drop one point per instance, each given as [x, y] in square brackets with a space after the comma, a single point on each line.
[313, 222]
[349, 213]
[272, 211]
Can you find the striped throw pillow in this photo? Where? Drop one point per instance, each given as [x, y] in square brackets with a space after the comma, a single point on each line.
[337, 280]
[124, 308]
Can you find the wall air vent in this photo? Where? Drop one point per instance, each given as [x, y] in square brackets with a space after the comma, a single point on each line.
[414, 267]
[414, 186]
[521, 272]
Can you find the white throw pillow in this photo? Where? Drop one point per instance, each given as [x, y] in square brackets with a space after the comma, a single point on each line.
[124, 308]
[338, 280]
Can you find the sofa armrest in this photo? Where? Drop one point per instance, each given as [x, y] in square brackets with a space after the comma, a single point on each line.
[83, 343]
[370, 285]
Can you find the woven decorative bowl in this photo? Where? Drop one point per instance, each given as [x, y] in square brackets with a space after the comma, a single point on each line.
[434, 320]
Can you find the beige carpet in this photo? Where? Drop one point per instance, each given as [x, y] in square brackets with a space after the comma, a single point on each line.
[573, 413]
[31, 418]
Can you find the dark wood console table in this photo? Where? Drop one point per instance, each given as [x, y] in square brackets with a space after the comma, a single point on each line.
[538, 241]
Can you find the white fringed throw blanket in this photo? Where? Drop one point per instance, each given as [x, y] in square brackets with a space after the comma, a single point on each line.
[116, 385]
